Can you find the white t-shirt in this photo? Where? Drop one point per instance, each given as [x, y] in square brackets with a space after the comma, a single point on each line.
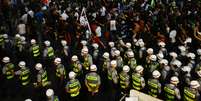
[113, 25]
[103, 11]
[21, 29]
[64, 16]
[98, 31]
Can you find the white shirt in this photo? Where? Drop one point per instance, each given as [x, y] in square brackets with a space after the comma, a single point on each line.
[98, 31]
[21, 29]
[113, 25]
[103, 11]
[64, 16]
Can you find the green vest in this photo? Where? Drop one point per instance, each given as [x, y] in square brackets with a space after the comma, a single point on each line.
[136, 82]
[1, 40]
[169, 93]
[56, 98]
[92, 81]
[9, 71]
[86, 63]
[132, 63]
[123, 80]
[24, 76]
[75, 67]
[153, 87]
[189, 95]
[109, 75]
[36, 50]
[18, 42]
[74, 87]
[50, 52]
[44, 79]
[58, 74]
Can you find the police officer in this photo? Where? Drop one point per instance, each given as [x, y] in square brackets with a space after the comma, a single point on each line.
[2, 40]
[119, 60]
[171, 91]
[128, 46]
[192, 93]
[175, 67]
[142, 53]
[153, 63]
[186, 74]
[76, 66]
[165, 68]
[124, 79]
[198, 74]
[154, 85]
[138, 82]
[87, 58]
[8, 71]
[191, 60]
[42, 78]
[73, 87]
[95, 52]
[50, 95]
[106, 61]
[35, 50]
[112, 72]
[25, 79]
[92, 80]
[132, 63]
[60, 69]
[18, 42]
[112, 49]
[162, 49]
[48, 51]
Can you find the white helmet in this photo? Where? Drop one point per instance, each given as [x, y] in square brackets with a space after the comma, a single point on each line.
[139, 69]
[177, 63]
[186, 68]
[85, 50]
[160, 56]
[173, 54]
[5, 36]
[47, 43]
[74, 58]
[17, 35]
[199, 51]
[194, 84]
[71, 75]
[27, 100]
[113, 63]
[93, 68]
[49, 93]
[106, 55]
[111, 44]
[191, 55]
[22, 64]
[182, 48]
[33, 41]
[57, 60]
[117, 52]
[173, 34]
[161, 44]
[38, 66]
[130, 54]
[22, 38]
[141, 44]
[153, 57]
[6, 59]
[164, 61]
[84, 42]
[150, 51]
[95, 45]
[126, 68]
[188, 40]
[63, 42]
[128, 45]
[174, 80]
[156, 74]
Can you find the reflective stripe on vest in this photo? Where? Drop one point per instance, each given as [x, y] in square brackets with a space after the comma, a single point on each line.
[189, 95]
[169, 93]
[123, 80]
[86, 63]
[1, 39]
[9, 71]
[74, 88]
[50, 52]
[92, 81]
[44, 79]
[136, 82]
[153, 88]
[24, 76]
[36, 50]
